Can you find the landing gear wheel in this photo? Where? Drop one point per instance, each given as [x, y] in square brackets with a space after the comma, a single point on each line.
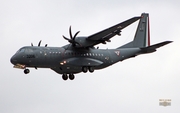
[64, 77]
[84, 69]
[91, 69]
[26, 71]
[71, 76]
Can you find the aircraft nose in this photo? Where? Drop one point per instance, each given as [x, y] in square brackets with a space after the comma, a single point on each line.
[13, 60]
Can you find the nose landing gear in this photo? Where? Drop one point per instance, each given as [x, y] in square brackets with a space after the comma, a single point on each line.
[26, 71]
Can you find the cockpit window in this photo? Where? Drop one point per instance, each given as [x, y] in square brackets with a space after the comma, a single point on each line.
[28, 50]
[20, 50]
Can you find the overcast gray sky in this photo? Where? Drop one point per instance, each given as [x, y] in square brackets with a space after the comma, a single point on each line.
[134, 85]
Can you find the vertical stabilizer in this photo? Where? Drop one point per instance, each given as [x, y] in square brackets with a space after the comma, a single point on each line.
[142, 36]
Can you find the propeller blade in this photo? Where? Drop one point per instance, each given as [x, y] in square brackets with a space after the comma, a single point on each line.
[75, 35]
[39, 43]
[66, 38]
[31, 44]
[70, 32]
[72, 38]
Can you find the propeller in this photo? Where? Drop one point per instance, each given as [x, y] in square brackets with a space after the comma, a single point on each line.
[39, 44]
[72, 38]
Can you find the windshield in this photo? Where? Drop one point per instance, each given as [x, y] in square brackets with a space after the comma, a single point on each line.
[28, 50]
[20, 50]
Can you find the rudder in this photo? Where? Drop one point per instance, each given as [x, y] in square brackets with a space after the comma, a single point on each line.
[142, 35]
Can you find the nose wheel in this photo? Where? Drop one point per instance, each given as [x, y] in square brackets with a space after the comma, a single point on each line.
[26, 71]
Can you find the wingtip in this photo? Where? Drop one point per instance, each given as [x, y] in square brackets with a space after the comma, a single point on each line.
[169, 42]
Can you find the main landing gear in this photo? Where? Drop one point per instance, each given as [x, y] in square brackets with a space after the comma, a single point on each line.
[26, 71]
[65, 76]
[85, 69]
[71, 75]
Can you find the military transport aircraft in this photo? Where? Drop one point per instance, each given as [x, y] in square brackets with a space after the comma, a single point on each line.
[81, 55]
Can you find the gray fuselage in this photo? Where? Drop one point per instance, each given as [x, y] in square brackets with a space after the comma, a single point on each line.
[70, 60]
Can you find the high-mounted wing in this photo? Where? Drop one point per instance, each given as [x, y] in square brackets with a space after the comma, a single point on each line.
[100, 37]
[108, 33]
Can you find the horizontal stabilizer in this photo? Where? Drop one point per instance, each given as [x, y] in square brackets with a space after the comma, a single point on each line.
[153, 48]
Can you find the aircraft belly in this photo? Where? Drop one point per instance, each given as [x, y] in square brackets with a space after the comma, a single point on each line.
[67, 69]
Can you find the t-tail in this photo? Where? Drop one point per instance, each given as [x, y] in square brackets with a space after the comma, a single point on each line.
[142, 37]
